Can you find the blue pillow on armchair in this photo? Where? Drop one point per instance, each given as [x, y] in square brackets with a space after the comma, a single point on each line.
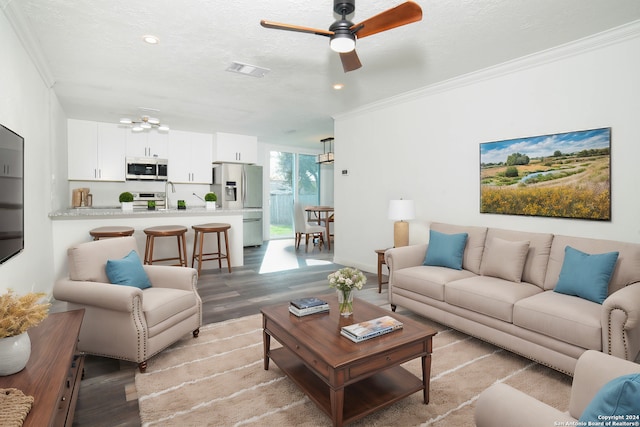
[445, 250]
[618, 397]
[128, 271]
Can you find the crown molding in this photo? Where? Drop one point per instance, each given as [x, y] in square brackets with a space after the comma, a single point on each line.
[24, 33]
[586, 44]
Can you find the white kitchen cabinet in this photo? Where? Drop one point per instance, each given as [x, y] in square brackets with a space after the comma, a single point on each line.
[234, 148]
[95, 151]
[190, 157]
[150, 143]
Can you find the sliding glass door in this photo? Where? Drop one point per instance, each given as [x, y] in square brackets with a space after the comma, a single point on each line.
[293, 178]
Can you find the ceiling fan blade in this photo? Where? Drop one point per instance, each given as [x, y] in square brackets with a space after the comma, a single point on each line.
[406, 13]
[350, 61]
[290, 27]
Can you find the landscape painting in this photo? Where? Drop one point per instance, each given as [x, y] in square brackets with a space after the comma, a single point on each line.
[566, 175]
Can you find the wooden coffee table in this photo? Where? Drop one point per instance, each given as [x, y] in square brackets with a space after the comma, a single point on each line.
[347, 380]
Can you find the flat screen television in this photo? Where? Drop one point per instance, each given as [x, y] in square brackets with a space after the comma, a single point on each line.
[11, 194]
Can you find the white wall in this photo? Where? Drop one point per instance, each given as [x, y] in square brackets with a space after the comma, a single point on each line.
[326, 184]
[425, 145]
[29, 108]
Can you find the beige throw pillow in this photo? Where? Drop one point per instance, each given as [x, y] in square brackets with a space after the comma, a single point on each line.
[504, 259]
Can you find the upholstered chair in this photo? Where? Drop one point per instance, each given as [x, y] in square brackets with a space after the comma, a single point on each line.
[122, 321]
[303, 227]
[599, 383]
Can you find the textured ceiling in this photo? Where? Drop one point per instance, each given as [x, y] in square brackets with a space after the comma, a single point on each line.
[101, 70]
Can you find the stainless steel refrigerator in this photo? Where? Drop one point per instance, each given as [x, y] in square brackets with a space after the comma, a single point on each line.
[240, 187]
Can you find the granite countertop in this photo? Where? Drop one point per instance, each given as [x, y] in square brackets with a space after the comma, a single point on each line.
[78, 213]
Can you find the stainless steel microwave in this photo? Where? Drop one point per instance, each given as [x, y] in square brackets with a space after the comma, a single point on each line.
[146, 168]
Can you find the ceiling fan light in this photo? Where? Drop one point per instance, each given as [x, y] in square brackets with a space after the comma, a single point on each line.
[342, 43]
[145, 123]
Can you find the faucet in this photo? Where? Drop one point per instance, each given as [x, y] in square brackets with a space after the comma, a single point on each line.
[166, 193]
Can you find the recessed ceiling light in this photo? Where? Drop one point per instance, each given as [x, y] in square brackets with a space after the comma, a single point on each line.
[338, 86]
[151, 39]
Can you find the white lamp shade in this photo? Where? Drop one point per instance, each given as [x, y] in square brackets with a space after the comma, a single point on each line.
[402, 210]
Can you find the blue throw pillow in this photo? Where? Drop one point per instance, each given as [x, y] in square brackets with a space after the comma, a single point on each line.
[620, 396]
[586, 276]
[128, 271]
[445, 250]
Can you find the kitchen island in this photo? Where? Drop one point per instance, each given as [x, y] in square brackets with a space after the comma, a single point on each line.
[72, 226]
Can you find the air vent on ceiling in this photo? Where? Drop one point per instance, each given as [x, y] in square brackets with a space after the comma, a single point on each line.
[247, 69]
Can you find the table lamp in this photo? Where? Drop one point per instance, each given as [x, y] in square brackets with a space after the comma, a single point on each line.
[401, 211]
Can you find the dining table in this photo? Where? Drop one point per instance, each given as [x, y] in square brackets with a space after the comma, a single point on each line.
[320, 214]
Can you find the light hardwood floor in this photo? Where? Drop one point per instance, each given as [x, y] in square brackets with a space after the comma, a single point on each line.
[272, 273]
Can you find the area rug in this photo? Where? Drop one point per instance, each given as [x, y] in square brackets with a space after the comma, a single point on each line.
[218, 380]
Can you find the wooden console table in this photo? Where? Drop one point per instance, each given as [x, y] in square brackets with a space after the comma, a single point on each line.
[52, 375]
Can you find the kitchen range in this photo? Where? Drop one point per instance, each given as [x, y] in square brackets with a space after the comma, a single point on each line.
[140, 199]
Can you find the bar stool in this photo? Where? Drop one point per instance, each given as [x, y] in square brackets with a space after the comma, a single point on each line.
[200, 231]
[111, 231]
[178, 231]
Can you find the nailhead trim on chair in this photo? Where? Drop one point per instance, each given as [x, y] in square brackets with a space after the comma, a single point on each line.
[624, 340]
[140, 332]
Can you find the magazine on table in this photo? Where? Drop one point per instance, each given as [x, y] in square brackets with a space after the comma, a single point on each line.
[371, 328]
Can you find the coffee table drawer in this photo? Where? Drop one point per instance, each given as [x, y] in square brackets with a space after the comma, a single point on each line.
[302, 352]
[386, 360]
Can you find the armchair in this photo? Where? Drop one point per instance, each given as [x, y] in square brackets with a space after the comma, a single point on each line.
[502, 404]
[125, 322]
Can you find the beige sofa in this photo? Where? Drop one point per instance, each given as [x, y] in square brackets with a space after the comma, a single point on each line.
[125, 322]
[485, 299]
[593, 370]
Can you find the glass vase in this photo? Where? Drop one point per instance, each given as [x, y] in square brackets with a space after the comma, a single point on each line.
[345, 302]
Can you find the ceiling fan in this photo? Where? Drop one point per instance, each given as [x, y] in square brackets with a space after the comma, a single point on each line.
[343, 33]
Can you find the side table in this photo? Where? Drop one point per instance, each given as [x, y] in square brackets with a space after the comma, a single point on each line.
[380, 253]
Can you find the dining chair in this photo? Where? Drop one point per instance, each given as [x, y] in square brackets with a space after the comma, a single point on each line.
[329, 221]
[302, 226]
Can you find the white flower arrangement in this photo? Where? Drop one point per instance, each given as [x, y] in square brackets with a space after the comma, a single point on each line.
[347, 279]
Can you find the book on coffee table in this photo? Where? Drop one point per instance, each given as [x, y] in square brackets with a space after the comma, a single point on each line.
[305, 306]
[307, 311]
[371, 328]
[304, 303]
